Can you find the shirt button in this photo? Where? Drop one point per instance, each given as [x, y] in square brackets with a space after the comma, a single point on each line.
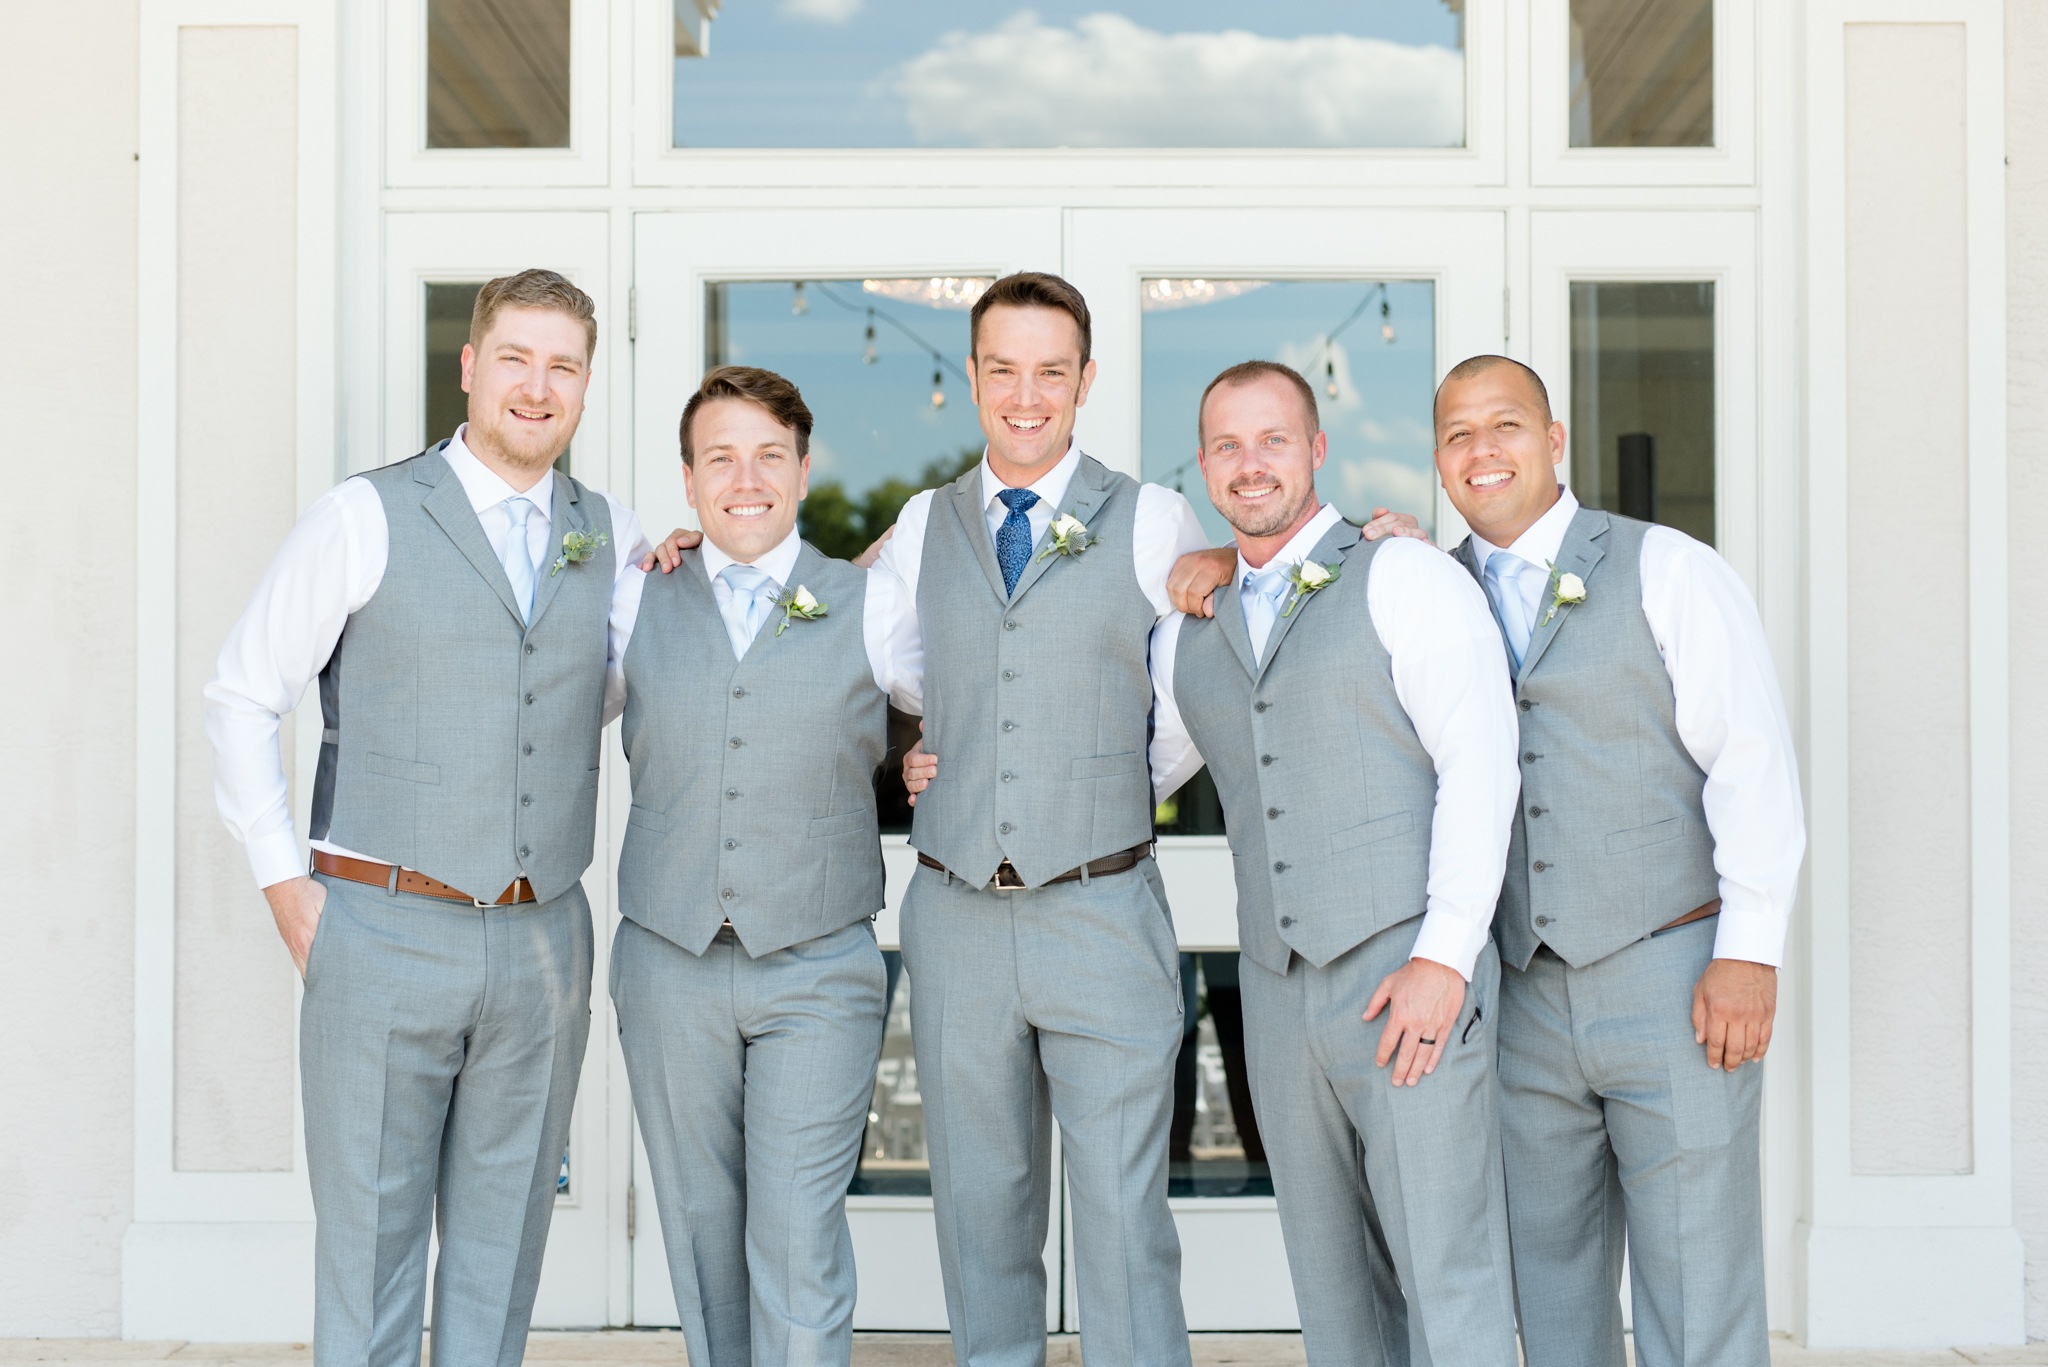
[739, 692]
[735, 742]
[1541, 866]
[727, 894]
[526, 749]
[1007, 775]
[1009, 674]
[1004, 828]
[1265, 759]
[526, 799]
[1542, 920]
[732, 792]
[1528, 757]
[1280, 866]
[732, 844]
[529, 700]
[524, 851]
[1272, 812]
[1260, 706]
[529, 647]
[1286, 921]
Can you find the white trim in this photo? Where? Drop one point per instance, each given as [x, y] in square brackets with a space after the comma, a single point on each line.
[1730, 161]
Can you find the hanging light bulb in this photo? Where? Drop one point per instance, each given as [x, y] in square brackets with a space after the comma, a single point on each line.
[868, 357]
[938, 387]
[1386, 326]
[799, 305]
[1330, 372]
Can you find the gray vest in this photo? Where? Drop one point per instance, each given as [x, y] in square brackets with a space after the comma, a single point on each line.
[1037, 703]
[1326, 790]
[460, 742]
[753, 781]
[1611, 839]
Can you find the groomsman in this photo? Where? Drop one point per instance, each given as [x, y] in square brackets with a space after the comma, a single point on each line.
[1649, 884]
[749, 989]
[1351, 699]
[462, 611]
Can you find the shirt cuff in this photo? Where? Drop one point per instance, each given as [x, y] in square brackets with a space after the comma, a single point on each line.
[1751, 933]
[275, 857]
[1451, 940]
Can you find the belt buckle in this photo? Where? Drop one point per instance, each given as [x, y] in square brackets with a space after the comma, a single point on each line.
[1001, 886]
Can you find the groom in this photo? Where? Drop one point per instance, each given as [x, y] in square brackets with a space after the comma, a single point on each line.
[459, 609]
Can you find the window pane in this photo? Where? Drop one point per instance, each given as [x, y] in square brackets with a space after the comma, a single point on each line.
[1214, 1147]
[449, 306]
[1642, 417]
[498, 73]
[893, 1158]
[1069, 73]
[1642, 73]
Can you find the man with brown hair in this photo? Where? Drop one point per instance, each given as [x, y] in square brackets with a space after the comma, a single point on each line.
[748, 984]
[464, 611]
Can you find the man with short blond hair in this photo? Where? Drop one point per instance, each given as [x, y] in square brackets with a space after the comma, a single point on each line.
[463, 611]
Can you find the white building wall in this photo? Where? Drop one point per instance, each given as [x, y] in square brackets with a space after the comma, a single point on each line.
[67, 812]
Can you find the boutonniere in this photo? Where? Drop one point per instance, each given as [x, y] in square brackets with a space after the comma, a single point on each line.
[799, 604]
[577, 547]
[1069, 537]
[1565, 590]
[1307, 577]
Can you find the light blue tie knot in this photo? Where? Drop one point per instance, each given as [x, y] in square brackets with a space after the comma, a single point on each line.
[1263, 593]
[518, 556]
[1013, 538]
[1503, 585]
[745, 605]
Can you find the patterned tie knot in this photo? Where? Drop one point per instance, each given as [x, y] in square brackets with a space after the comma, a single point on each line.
[1018, 500]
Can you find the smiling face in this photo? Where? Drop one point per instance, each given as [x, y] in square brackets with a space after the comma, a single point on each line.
[1027, 382]
[525, 382]
[1259, 459]
[1497, 451]
[746, 479]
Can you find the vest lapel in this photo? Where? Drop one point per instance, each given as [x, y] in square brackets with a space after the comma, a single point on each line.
[568, 517]
[1578, 555]
[966, 501]
[449, 506]
[1087, 491]
[1334, 543]
[1230, 621]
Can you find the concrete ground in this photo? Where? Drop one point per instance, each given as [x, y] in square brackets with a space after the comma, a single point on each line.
[631, 1348]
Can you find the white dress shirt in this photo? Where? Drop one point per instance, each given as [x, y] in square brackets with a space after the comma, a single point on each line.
[1731, 718]
[329, 567]
[880, 612]
[1165, 529]
[1450, 674]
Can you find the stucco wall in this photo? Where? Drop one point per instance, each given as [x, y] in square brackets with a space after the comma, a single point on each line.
[2026, 146]
[68, 236]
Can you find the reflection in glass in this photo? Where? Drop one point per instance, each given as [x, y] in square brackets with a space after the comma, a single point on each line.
[1642, 73]
[498, 73]
[1214, 1147]
[1642, 405]
[1069, 73]
[893, 1160]
[449, 306]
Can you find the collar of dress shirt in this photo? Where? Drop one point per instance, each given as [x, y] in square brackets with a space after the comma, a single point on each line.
[483, 485]
[778, 564]
[1545, 538]
[1051, 486]
[1298, 546]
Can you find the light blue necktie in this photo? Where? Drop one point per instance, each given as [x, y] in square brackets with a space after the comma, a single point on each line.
[1503, 582]
[742, 609]
[1013, 538]
[518, 557]
[1262, 592]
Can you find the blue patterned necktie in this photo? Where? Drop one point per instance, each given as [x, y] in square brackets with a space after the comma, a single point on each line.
[518, 559]
[1503, 576]
[1013, 538]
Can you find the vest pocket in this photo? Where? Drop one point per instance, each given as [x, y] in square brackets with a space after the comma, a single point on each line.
[1106, 766]
[589, 779]
[1400, 823]
[846, 823]
[1621, 842]
[409, 770]
[648, 819]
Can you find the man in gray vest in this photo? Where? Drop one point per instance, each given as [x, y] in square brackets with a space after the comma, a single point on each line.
[459, 609]
[748, 985]
[1655, 859]
[1351, 700]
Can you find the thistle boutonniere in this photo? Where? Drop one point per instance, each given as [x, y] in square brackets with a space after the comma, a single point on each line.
[797, 603]
[577, 547]
[1307, 577]
[1565, 591]
[1069, 537]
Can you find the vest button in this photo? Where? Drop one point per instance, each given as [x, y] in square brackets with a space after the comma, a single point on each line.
[526, 749]
[1009, 726]
[529, 647]
[739, 692]
[1541, 866]
[1535, 811]
[732, 792]
[1528, 757]
[1004, 828]
[1542, 920]
[1526, 704]
[732, 844]
[1007, 776]
[1265, 759]
[524, 851]
[526, 799]
[1259, 706]
[529, 700]
[1009, 624]
[735, 742]
[1280, 866]
[1286, 921]
[1009, 674]
[727, 894]
[1272, 812]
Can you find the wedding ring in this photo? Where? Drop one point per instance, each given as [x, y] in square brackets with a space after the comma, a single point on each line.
[1425, 1041]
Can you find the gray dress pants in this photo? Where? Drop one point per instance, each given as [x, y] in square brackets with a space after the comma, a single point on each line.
[752, 1079]
[1382, 1187]
[1612, 1122]
[439, 1049]
[1062, 1001]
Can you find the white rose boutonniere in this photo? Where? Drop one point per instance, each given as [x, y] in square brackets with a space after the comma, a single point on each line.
[797, 604]
[1566, 590]
[1307, 577]
[1069, 537]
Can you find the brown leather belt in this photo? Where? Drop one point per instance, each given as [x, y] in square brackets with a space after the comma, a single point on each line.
[1705, 909]
[379, 876]
[1009, 880]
